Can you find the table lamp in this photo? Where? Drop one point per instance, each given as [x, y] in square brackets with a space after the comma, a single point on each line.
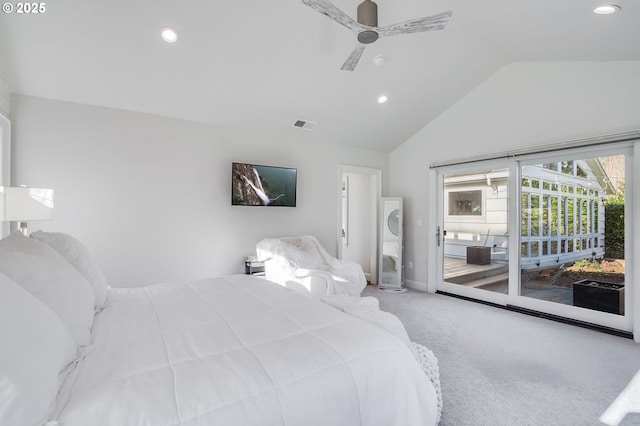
[22, 204]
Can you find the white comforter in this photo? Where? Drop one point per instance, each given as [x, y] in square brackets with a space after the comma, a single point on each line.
[242, 351]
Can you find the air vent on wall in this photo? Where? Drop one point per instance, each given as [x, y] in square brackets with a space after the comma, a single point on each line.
[307, 125]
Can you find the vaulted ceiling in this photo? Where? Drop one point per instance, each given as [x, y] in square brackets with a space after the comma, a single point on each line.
[266, 64]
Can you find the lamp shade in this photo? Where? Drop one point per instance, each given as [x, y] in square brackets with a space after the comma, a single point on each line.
[24, 204]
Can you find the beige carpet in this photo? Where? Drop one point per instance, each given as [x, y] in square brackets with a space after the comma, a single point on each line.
[499, 367]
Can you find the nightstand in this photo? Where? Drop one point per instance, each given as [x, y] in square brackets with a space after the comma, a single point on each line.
[253, 267]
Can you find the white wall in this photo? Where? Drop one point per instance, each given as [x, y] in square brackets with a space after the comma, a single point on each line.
[521, 105]
[151, 196]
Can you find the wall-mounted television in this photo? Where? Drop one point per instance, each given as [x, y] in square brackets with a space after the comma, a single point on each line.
[257, 185]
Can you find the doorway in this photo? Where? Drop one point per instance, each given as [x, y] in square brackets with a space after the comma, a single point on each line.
[358, 193]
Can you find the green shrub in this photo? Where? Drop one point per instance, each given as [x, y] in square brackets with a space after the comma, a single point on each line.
[614, 230]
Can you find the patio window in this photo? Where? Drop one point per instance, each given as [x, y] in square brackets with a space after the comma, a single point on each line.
[465, 203]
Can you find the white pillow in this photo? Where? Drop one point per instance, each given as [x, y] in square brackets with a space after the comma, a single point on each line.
[50, 278]
[36, 347]
[78, 256]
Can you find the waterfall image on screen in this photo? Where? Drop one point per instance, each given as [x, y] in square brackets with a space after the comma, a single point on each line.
[256, 185]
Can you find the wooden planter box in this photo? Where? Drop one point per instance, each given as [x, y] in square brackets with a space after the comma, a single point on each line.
[599, 295]
[479, 255]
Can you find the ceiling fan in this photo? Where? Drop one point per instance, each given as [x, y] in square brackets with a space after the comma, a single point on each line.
[367, 25]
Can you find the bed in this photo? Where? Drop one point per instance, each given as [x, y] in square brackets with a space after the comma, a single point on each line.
[234, 350]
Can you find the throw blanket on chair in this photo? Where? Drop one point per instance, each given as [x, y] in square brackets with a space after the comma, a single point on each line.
[300, 258]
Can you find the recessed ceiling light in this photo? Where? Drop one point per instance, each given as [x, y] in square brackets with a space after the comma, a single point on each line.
[169, 35]
[382, 99]
[606, 9]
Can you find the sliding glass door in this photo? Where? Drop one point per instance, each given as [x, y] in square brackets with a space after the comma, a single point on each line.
[572, 234]
[564, 215]
[475, 232]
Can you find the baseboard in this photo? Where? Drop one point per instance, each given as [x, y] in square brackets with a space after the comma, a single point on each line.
[415, 285]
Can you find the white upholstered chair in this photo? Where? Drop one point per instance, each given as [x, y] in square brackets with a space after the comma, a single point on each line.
[302, 264]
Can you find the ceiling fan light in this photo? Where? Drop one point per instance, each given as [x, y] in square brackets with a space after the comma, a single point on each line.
[382, 99]
[368, 13]
[367, 37]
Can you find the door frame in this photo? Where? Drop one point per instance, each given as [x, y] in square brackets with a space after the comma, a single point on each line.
[376, 175]
[5, 162]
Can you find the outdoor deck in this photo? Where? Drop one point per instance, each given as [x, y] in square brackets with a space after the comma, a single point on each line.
[458, 271]
[494, 277]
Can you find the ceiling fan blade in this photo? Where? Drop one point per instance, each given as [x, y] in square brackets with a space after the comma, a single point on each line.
[354, 57]
[328, 9]
[429, 23]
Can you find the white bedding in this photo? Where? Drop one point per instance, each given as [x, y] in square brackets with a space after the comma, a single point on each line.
[242, 351]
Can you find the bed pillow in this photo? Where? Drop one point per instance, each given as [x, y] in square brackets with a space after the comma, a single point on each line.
[50, 278]
[78, 256]
[36, 347]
